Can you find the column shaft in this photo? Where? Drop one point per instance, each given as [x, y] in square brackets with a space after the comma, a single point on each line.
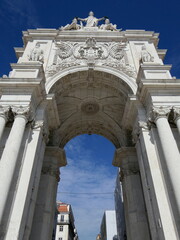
[42, 227]
[137, 226]
[43, 220]
[9, 160]
[2, 124]
[171, 155]
[17, 220]
[160, 211]
[178, 124]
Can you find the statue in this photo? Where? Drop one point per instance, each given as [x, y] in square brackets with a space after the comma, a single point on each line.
[91, 21]
[108, 26]
[145, 55]
[73, 26]
[37, 54]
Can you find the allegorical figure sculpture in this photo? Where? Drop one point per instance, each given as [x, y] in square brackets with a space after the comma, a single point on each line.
[37, 54]
[145, 55]
[72, 26]
[108, 26]
[91, 21]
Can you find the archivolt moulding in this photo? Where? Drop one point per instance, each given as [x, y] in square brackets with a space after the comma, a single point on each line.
[131, 82]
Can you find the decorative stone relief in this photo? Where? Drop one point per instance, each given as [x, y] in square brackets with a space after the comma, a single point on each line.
[146, 56]
[36, 54]
[91, 54]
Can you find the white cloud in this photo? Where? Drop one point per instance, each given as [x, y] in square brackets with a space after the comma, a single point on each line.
[85, 174]
[17, 12]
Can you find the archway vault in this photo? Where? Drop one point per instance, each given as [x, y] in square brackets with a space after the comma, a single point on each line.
[90, 102]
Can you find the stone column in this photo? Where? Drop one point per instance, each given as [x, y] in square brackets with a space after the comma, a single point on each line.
[10, 156]
[169, 148]
[159, 211]
[43, 220]
[135, 213]
[177, 117]
[33, 156]
[3, 119]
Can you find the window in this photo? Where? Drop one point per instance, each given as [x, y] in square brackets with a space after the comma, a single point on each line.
[62, 218]
[60, 238]
[61, 228]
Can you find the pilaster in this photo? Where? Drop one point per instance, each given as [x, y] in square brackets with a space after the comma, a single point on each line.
[46, 201]
[135, 213]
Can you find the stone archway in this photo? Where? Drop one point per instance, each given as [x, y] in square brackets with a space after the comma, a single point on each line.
[91, 104]
[90, 80]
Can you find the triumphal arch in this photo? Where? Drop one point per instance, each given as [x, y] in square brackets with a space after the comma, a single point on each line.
[90, 77]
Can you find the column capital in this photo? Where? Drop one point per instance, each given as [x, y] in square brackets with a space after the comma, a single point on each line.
[56, 153]
[4, 110]
[140, 125]
[54, 158]
[160, 112]
[22, 111]
[176, 113]
[126, 159]
[41, 124]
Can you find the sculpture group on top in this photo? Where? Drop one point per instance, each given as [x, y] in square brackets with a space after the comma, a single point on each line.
[91, 21]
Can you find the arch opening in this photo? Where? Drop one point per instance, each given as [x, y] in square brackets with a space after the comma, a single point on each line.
[88, 181]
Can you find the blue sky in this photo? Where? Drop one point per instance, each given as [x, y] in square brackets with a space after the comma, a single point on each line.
[156, 15]
[90, 174]
[89, 157]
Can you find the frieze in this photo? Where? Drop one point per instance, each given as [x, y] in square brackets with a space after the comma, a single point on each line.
[90, 53]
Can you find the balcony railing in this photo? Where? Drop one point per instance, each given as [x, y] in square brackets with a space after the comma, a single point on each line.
[63, 221]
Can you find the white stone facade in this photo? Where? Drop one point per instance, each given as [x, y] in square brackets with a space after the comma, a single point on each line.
[108, 229]
[90, 79]
[119, 209]
[65, 228]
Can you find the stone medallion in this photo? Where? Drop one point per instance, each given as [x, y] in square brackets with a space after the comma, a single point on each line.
[90, 107]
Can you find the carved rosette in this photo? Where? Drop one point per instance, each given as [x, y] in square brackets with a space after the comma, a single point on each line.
[51, 171]
[90, 107]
